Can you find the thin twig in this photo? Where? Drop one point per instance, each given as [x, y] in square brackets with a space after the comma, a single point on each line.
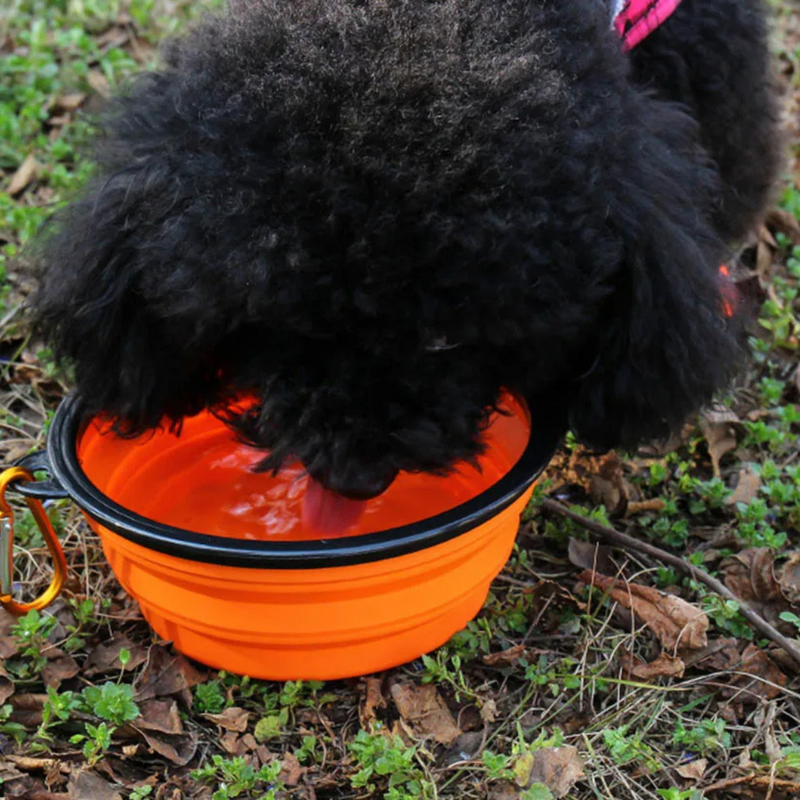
[759, 780]
[623, 540]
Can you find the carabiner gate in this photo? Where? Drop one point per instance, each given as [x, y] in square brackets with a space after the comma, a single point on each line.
[8, 477]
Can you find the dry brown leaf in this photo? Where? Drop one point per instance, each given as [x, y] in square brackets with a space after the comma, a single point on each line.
[608, 486]
[231, 719]
[559, 768]
[35, 376]
[720, 655]
[24, 176]
[90, 786]
[291, 769]
[784, 222]
[115, 36]
[105, 657]
[166, 673]
[767, 680]
[232, 743]
[59, 669]
[675, 622]
[587, 555]
[719, 413]
[789, 578]
[425, 711]
[694, 770]
[141, 51]
[69, 102]
[8, 643]
[6, 685]
[177, 749]
[488, 710]
[719, 435]
[236, 745]
[505, 658]
[502, 790]
[765, 235]
[747, 487]
[371, 700]
[464, 748]
[764, 261]
[665, 666]
[750, 575]
[27, 708]
[98, 82]
[160, 715]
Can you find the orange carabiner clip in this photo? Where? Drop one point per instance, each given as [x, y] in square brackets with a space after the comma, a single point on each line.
[7, 477]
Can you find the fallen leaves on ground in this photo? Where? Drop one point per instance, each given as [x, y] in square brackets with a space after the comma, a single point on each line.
[679, 625]
[747, 487]
[231, 719]
[588, 555]
[505, 658]
[665, 666]
[750, 674]
[104, 657]
[6, 685]
[87, 785]
[59, 669]
[25, 174]
[608, 486]
[69, 102]
[694, 770]
[372, 699]
[750, 575]
[761, 678]
[424, 709]
[781, 220]
[716, 426]
[167, 673]
[788, 577]
[177, 749]
[98, 82]
[558, 768]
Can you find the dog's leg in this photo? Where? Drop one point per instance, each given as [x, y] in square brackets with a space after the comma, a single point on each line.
[712, 56]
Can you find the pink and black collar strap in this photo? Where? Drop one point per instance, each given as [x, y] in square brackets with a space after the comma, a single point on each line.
[634, 20]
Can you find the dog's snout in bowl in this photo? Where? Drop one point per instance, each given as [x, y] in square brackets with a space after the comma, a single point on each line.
[353, 480]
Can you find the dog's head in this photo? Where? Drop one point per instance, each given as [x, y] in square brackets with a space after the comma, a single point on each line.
[373, 216]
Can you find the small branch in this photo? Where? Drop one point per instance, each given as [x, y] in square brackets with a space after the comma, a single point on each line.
[623, 540]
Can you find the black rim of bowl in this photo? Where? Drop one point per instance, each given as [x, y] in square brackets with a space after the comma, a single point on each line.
[66, 470]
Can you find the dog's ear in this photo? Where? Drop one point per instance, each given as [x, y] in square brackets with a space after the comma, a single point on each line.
[664, 346]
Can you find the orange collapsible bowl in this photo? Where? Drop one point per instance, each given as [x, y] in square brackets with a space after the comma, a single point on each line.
[277, 606]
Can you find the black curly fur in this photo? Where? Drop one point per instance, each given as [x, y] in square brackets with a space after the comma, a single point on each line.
[374, 215]
[712, 56]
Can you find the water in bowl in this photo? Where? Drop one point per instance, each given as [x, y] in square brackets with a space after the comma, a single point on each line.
[202, 480]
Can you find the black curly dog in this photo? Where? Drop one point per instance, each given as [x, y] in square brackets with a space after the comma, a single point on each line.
[374, 215]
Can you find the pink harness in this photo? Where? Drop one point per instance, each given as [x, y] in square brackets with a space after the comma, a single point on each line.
[636, 19]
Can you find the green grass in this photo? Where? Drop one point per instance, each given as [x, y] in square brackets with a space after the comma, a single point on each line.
[52, 50]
